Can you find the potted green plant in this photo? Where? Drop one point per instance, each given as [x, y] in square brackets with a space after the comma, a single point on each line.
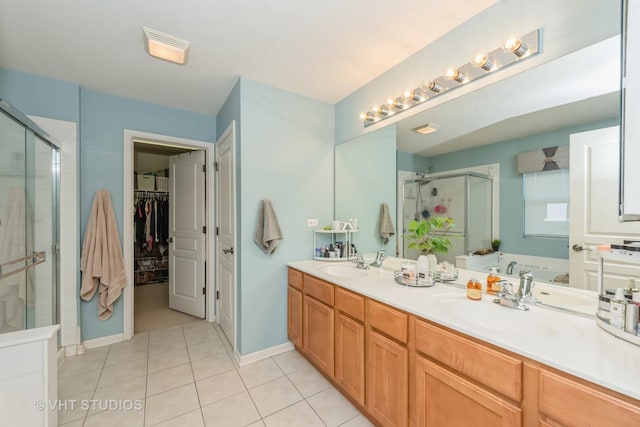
[430, 235]
[495, 245]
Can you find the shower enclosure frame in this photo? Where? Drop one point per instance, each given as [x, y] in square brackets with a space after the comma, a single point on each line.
[468, 175]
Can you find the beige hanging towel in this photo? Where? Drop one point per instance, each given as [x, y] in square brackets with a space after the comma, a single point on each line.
[386, 226]
[267, 234]
[102, 264]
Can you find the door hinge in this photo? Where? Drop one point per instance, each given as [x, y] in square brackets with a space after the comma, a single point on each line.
[204, 229]
[217, 294]
[204, 168]
[215, 166]
[204, 291]
[217, 231]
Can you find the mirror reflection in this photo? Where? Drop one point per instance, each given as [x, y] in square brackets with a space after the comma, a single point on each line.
[481, 135]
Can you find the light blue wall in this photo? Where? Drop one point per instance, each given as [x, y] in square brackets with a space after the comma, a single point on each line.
[567, 26]
[365, 171]
[511, 186]
[287, 156]
[39, 96]
[103, 120]
[412, 162]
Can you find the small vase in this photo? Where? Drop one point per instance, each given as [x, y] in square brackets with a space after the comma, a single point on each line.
[433, 262]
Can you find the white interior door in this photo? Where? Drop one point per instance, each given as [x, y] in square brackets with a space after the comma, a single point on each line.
[594, 210]
[187, 251]
[226, 257]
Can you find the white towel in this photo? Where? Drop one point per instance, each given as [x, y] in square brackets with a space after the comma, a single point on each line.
[386, 226]
[267, 234]
[102, 264]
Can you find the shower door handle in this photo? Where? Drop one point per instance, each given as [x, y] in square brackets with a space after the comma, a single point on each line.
[228, 251]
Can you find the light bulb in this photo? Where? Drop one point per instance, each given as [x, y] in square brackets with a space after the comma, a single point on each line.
[516, 46]
[455, 74]
[432, 86]
[481, 60]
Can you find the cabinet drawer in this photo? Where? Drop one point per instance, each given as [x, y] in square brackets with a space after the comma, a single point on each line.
[575, 404]
[350, 303]
[295, 278]
[498, 371]
[319, 289]
[388, 320]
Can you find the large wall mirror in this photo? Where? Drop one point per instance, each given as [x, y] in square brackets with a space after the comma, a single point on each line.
[485, 130]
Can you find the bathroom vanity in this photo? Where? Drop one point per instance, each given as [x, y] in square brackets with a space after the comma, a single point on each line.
[430, 357]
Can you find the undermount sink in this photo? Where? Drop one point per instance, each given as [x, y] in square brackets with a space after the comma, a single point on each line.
[566, 299]
[343, 270]
[493, 317]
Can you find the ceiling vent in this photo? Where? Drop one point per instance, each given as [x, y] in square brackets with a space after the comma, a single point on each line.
[165, 46]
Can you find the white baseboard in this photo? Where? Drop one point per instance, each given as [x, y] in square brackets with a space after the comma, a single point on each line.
[102, 341]
[243, 360]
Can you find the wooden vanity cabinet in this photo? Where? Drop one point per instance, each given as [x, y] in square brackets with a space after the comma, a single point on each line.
[460, 382]
[318, 323]
[349, 344]
[387, 375]
[294, 307]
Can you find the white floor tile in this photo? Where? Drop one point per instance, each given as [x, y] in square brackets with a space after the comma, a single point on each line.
[258, 423]
[133, 390]
[83, 381]
[210, 366]
[206, 349]
[190, 419]
[260, 372]
[91, 360]
[71, 407]
[76, 423]
[291, 361]
[123, 371]
[299, 414]
[198, 336]
[309, 381]
[219, 387]
[274, 395]
[358, 421]
[169, 359]
[332, 407]
[132, 418]
[234, 411]
[170, 404]
[126, 353]
[168, 379]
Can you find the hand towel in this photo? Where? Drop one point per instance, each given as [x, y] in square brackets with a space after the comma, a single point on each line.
[267, 234]
[102, 263]
[386, 226]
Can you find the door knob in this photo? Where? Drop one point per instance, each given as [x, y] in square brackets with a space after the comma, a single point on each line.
[579, 248]
[228, 251]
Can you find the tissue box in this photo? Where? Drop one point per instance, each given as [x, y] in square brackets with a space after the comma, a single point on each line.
[146, 182]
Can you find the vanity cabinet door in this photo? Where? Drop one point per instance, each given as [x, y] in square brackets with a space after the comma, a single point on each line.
[445, 399]
[318, 335]
[350, 356]
[387, 380]
[294, 316]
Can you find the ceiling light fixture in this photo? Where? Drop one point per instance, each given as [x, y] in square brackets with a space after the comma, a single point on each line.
[513, 50]
[427, 129]
[165, 46]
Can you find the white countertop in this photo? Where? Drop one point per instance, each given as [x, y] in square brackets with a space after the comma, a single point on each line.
[568, 342]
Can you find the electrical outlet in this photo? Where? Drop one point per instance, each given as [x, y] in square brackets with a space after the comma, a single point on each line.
[312, 222]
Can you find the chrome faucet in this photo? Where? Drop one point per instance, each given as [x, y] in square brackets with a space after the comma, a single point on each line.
[510, 267]
[380, 256]
[360, 262]
[508, 298]
[526, 287]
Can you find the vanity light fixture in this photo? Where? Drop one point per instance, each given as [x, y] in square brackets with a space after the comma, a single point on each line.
[516, 46]
[455, 75]
[426, 129]
[513, 50]
[165, 46]
[432, 86]
[481, 60]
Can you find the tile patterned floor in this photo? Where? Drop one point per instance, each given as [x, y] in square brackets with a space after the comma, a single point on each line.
[186, 376]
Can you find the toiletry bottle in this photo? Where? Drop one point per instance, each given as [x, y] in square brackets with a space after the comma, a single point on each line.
[618, 310]
[422, 271]
[474, 289]
[493, 285]
[409, 272]
[635, 300]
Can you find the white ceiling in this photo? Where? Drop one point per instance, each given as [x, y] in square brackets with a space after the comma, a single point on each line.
[321, 49]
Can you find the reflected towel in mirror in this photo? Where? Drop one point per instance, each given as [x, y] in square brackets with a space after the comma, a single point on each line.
[267, 234]
[386, 225]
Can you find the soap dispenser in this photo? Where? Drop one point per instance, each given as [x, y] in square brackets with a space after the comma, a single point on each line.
[618, 310]
[493, 285]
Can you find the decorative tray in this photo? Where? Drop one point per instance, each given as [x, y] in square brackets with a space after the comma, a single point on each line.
[440, 276]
